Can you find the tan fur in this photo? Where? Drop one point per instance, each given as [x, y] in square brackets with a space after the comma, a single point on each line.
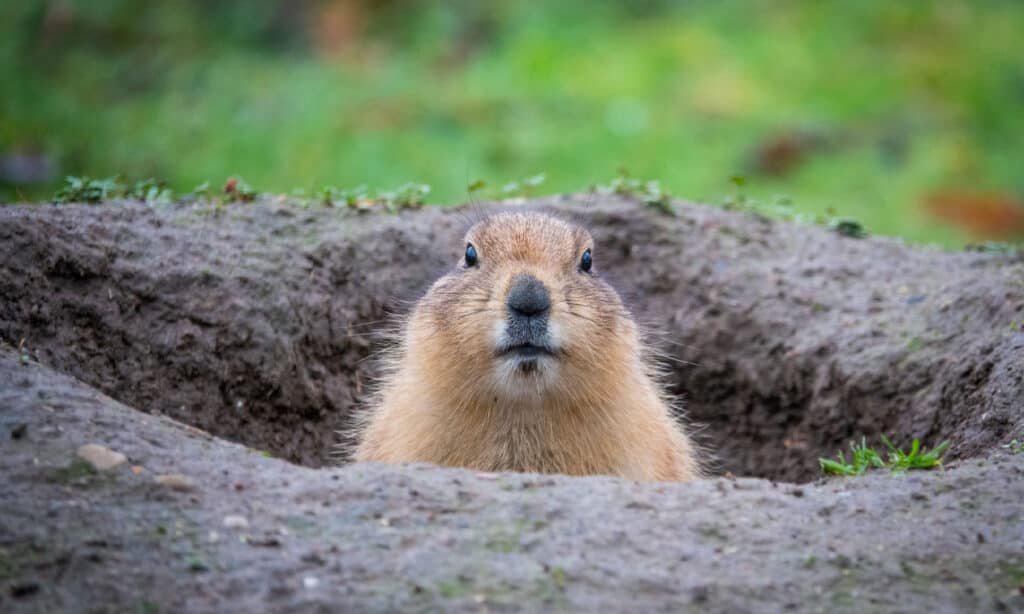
[598, 410]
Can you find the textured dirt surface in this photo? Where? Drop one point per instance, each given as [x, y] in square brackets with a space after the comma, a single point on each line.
[256, 322]
[375, 538]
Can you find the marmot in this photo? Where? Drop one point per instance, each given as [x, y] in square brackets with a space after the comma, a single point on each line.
[523, 359]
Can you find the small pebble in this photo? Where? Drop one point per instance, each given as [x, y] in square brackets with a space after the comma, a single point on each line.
[310, 582]
[175, 481]
[236, 522]
[101, 458]
[19, 431]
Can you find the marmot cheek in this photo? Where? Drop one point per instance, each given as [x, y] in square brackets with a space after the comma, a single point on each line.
[558, 335]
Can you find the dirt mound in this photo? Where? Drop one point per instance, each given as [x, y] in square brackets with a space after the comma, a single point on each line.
[225, 530]
[257, 322]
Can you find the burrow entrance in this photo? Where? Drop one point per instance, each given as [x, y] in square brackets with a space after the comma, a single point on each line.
[259, 324]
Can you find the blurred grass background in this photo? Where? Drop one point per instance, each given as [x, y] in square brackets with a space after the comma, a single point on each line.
[908, 116]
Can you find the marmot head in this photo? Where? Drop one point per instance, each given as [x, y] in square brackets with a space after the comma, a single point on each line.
[523, 313]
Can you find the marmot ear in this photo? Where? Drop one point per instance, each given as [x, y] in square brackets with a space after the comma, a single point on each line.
[470, 255]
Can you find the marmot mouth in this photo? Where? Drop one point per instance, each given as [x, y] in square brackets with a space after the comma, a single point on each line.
[526, 350]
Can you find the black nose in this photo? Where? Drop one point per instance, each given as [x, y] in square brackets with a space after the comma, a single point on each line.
[528, 297]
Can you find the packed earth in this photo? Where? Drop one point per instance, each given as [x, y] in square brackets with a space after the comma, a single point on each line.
[173, 379]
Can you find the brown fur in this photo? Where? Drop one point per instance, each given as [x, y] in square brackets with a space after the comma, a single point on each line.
[594, 409]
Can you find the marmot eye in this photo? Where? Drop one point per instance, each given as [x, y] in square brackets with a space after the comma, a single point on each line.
[470, 255]
[586, 261]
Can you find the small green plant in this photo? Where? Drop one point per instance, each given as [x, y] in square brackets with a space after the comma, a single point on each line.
[738, 198]
[848, 228]
[150, 191]
[407, 196]
[1014, 447]
[87, 190]
[200, 191]
[917, 458]
[865, 457]
[476, 186]
[332, 196]
[648, 192]
[523, 188]
[196, 564]
[995, 247]
[558, 575]
[95, 191]
[147, 607]
[780, 207]
[237, 189]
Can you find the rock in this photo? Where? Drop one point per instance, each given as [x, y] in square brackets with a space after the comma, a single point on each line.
[101, 458]
[176, 481]
[235, 522]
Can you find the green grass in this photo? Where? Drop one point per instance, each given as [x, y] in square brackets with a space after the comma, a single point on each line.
[917, 458]
[907, 98]
[864, 458]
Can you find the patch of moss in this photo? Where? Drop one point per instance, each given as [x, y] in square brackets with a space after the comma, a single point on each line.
[7, 566]
[558, 575]
[915, 344]
[712, 532]
[302, 526]
[453, 589]
[1013, 571]
[78, 472]
[196, 564]
[147, 607]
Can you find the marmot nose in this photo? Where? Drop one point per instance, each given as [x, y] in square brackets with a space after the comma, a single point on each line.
[528, 297]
